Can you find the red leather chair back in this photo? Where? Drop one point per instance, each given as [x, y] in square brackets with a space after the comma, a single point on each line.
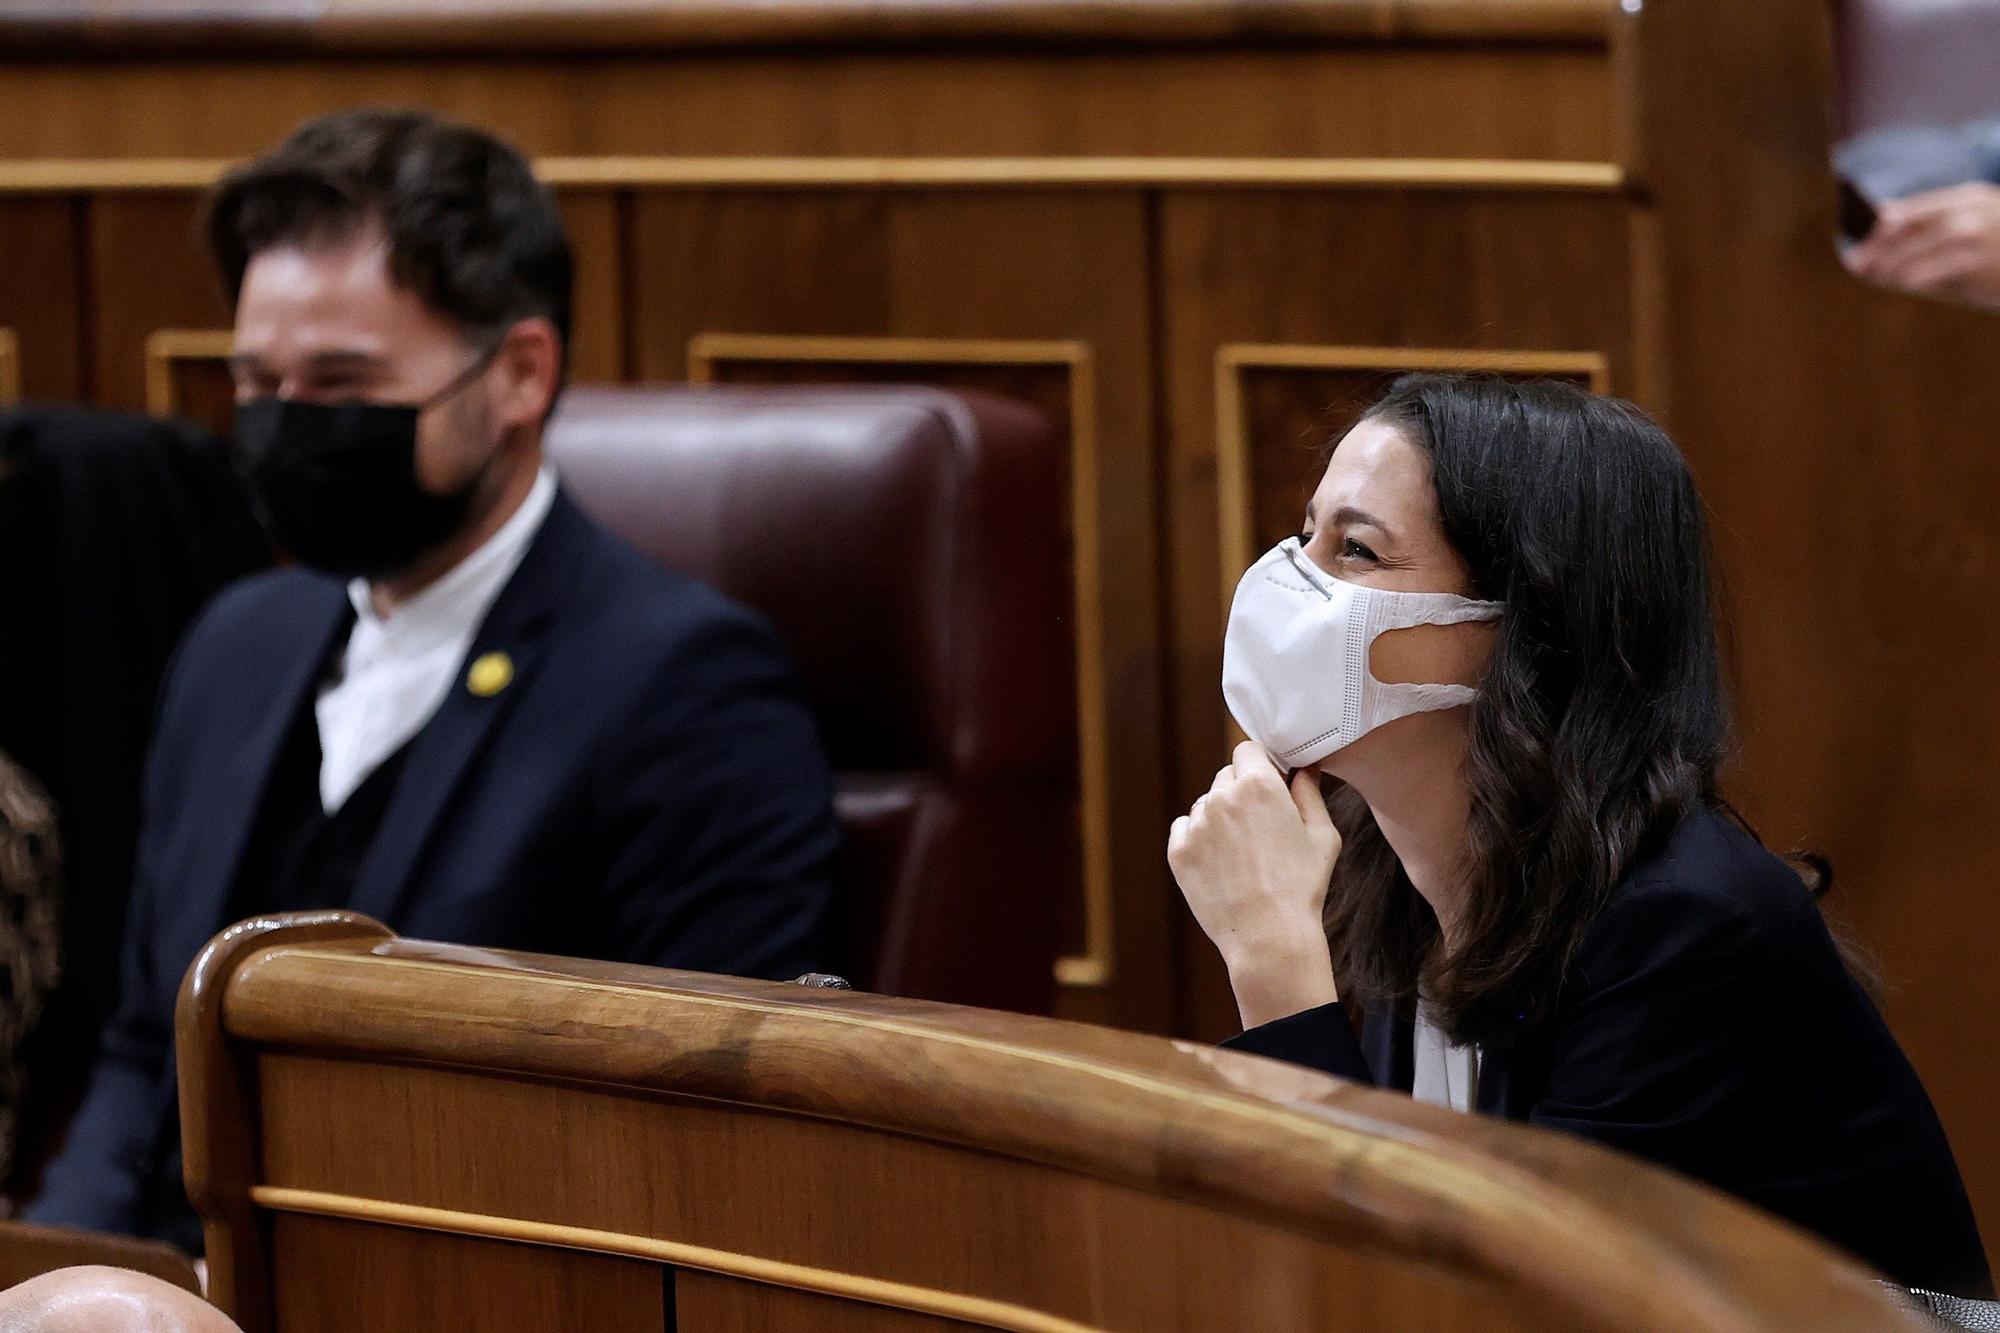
[909, 546]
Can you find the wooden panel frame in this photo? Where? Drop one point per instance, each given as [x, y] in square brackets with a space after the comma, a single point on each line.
[633, 172]
[10, 367]
[165, 348]
[1091, 969]
[1233, 463]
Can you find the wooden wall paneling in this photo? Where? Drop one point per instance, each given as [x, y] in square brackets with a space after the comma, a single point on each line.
[1352, 100]
[802, 262]
[1488, 276]
[951, 268]
[41, 299]
[595, 220]
[1843, 438]
[791, 172]
[335, 1276]
[149, 271]
[1277, 407]
[710, 1304]
[10, 367]
[187, 375]
[1059, 379]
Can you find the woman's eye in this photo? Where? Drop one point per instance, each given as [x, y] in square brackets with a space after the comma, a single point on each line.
[1354, 550]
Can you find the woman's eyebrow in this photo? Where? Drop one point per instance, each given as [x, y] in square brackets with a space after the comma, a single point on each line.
[1349, 516]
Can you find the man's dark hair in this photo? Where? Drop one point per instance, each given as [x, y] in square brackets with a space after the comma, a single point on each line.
[470, 230]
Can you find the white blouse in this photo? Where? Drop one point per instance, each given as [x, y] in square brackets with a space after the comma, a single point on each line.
[1446, 1075]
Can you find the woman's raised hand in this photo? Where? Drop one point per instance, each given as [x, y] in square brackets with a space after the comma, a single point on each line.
[1253, 859]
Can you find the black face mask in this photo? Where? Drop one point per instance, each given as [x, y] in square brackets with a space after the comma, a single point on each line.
[336, 483]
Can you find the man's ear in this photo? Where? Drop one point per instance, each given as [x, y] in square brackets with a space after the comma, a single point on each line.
[530, 365]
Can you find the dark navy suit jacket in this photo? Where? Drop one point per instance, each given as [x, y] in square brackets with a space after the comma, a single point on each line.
[1708, 1023]
[649, 788]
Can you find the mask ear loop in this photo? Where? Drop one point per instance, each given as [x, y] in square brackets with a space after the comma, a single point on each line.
[1435, 693]
[457, 384]
[479, 366]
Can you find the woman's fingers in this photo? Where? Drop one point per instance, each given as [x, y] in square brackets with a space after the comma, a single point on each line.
[1250, 762]
[1311, 802]
[1254, 855]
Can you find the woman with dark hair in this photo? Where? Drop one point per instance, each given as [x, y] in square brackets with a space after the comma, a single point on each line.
[1495, 637]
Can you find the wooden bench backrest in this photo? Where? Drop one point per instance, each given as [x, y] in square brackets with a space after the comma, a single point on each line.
[382, 1133]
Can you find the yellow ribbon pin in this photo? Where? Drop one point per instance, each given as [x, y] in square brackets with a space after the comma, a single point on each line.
[490, 674]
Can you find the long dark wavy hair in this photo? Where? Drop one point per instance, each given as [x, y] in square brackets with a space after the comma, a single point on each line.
[1603, 715]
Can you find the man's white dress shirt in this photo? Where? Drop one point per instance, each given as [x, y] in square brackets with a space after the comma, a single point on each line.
[398, 668]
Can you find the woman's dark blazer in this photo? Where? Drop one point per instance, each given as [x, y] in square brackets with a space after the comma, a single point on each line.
[1708, 1024]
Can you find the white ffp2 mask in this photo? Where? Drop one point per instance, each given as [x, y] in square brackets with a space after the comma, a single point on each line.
[1295, 658]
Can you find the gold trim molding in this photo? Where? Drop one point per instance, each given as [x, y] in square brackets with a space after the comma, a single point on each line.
[1233, 465]
[10, 368]
[707, 351]
[165, 348]
[85, 175]
[771, 1272]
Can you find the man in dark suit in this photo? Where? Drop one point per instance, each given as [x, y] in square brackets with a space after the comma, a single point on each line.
[471, 712]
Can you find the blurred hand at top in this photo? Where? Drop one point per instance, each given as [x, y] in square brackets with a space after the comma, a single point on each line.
[1941, 243]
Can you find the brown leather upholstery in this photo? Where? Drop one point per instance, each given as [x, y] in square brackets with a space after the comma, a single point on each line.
[908, 544]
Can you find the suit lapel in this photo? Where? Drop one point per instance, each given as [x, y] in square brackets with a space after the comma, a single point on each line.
[1510, 1081]
[1388, 1043]
[245, 781]
[442, 753]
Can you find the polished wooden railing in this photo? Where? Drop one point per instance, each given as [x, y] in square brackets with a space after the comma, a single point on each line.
[384, 1133]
